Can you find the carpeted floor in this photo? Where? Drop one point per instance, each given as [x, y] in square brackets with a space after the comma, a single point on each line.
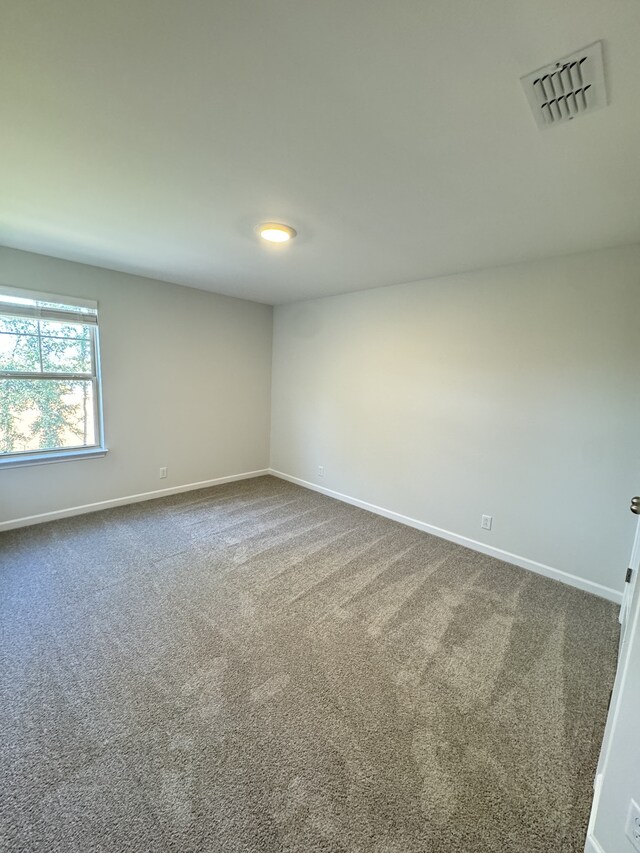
[255, 667]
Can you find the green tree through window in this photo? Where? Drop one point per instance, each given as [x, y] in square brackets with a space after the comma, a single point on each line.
[48, 379]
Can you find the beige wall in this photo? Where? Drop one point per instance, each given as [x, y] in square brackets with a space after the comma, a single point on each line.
[513, 392]
[186, 382]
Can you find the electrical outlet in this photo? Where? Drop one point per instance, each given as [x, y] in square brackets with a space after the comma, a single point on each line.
[320, 470]
[633, 824]
[487, 521]
[163, 473]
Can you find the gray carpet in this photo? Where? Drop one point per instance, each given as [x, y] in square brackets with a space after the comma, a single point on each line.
[255, 667]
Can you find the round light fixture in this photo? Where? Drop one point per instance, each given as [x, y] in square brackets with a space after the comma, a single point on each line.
[274, 232]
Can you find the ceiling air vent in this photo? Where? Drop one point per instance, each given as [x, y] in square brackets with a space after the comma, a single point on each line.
[568, 88]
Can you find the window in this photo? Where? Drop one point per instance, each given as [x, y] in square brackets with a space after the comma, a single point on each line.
[50, 401]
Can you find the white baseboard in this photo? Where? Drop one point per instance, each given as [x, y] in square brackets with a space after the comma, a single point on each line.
[506, 556]
[592, 845]
[129, 499]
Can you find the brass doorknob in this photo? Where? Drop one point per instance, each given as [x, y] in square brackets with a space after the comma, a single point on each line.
[635, 505]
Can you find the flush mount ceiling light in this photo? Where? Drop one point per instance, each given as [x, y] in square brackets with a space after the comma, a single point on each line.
[275, 232]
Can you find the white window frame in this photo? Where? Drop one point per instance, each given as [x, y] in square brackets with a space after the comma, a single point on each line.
[88, 318]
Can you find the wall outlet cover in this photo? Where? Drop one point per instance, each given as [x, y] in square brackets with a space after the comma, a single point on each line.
[633, 824]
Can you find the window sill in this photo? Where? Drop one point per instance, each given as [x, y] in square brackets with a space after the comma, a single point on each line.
[55, 456]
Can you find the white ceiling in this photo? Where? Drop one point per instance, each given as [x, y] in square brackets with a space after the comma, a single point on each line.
[151, 136]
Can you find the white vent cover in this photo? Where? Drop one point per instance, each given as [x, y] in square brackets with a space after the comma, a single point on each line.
[568, 88]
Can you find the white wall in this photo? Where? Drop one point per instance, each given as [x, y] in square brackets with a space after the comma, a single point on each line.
[186, 382]
[513, 392]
